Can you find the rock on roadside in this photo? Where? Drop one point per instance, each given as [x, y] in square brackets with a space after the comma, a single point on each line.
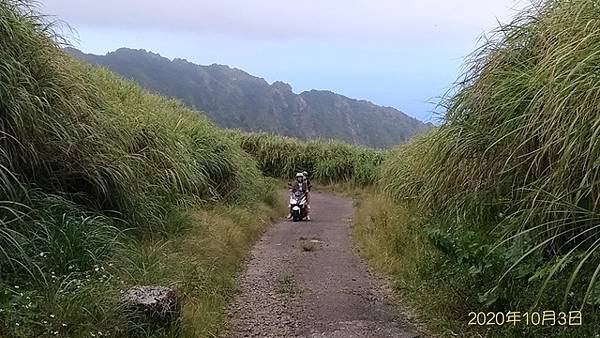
[156, 307]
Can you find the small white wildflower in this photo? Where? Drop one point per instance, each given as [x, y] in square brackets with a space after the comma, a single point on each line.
[52, 316]
[64, 325]
[92, 334]
[55, 333]
[16, 287]
[18, 324]
[96, 269]
[45, 322]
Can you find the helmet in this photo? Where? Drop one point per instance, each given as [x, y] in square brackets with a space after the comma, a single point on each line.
[299, 175]
[305, 174]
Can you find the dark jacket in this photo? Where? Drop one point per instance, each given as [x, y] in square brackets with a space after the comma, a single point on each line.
[305, 187]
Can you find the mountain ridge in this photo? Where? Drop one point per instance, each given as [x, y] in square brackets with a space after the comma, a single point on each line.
[234, 98]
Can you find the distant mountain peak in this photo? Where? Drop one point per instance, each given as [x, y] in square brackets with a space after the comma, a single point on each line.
[282, 86]
[233, 98]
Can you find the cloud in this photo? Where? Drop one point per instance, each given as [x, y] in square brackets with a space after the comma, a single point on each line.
[277, 19]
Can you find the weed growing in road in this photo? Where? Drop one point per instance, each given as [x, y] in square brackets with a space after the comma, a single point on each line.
[286, 285]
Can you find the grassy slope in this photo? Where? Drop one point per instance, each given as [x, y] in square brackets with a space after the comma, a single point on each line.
[105, 186]
[497, 210]
[437, 287]
[202, 264]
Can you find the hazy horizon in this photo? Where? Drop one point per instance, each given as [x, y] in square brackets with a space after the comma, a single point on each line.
[403, 54]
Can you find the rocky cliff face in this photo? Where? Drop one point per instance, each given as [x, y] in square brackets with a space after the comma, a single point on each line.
[233, 98]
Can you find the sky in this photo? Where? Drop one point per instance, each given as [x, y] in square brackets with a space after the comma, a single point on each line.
[400, 53]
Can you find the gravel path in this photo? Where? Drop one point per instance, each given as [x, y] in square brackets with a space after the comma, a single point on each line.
[304, 280]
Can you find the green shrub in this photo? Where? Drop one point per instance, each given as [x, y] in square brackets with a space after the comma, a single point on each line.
[326, 161]
[516, 160]
[402, 174]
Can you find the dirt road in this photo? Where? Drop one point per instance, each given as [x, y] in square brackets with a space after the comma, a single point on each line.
[304, 280]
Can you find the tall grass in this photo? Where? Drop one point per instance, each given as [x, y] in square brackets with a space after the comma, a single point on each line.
[515, 166]
[88, 162]
[402, 175]
[326, 161]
